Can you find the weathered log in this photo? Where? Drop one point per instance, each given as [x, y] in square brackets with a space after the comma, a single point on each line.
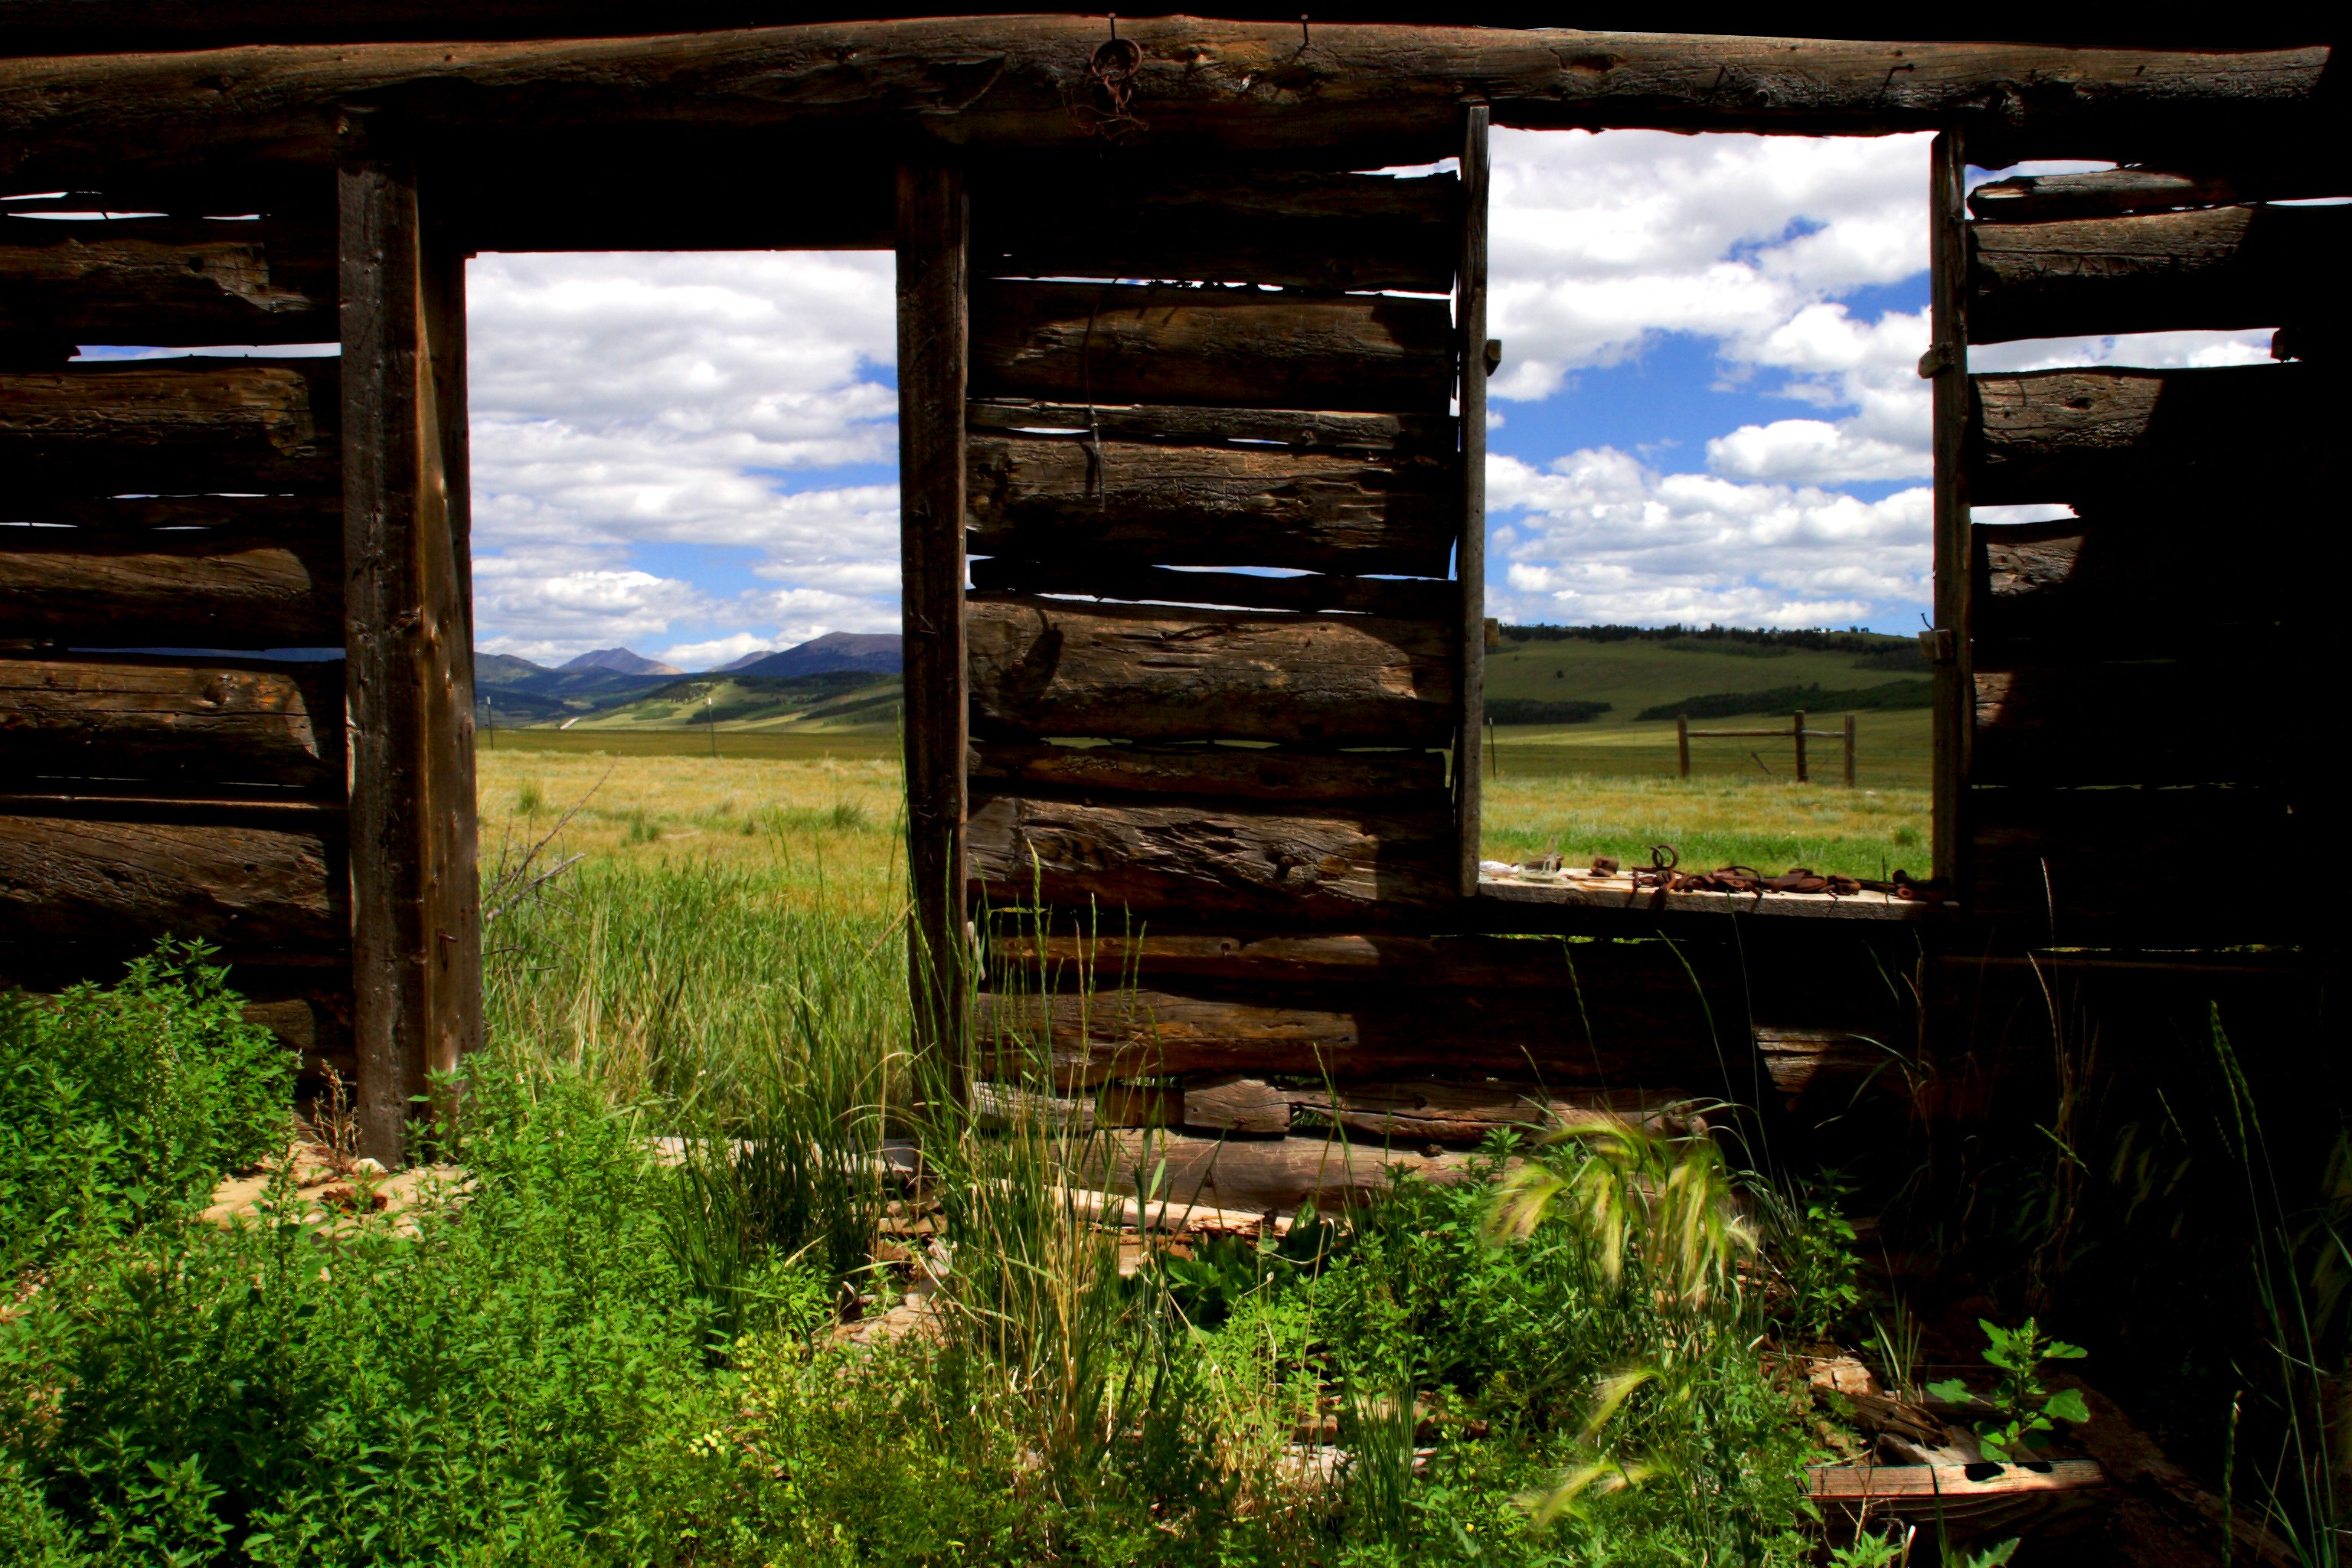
[69, 880]
[206, 588]
[1123, 343]
[1420, 1111]
[1401, 598]
[1144, 503]
[96, 718]
[2128, 723]
[1258, 773]
[2082, 434]
[2153, 868]
[1359, 92]
[1650, 969]
[2140, 583]
[1278, 1176]
[1316, 231]
[173, 425]
[1333, 862]
[1303, 430]
[303, 523]
[1372, 1032]
[1048, 667]
[2112, 193]
[171, 282]
[2218, 268]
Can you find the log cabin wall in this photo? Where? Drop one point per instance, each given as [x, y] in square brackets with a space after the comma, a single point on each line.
[174, 502]
[2133, 726]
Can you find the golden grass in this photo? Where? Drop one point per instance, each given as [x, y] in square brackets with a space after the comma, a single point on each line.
[1710, 821]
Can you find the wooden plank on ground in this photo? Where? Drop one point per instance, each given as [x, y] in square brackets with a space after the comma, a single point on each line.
[2217, 268]
[416, 926]
[1279, 1176]
[201, 588]
[1386, 93]
[934, 326]
[167, 282]
[2249, 431]
[1258, 773]
[1371, 1033]
[1244, 225]
[80, 879]
[1148, 503]
[1423, 1111]
[1121, 343]
[1298, 429]
[1053, 667]
[2138, 722]
[141, 426]
[1400, 598]
[160, 720]
[1307, 862]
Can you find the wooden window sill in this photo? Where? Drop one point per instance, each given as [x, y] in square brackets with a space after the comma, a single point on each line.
[1582, 889]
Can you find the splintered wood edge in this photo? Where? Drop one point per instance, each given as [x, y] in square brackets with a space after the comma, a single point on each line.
[1857, 1483]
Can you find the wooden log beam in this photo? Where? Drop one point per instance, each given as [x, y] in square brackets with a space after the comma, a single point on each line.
[1660, 1044]
[2136, 582]
[409, 640]
[1256, 772]
[2218, 268]
[1203, 860]
[1145, 504]
[1401, 598]
[1358, 91]
[167, 282]
[78, 879]
[1275, 1176]
[1048, 667]
[2107, 193]
[171, 722]
[201, 588]
[1424, 1110]
[172, 426]
[1650, 969]
[2077, 436]
[1327, 232]
[2122, 724]
[303, 523]
[1301, 430]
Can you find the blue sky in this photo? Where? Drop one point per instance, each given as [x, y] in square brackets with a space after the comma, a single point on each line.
[1707, 410]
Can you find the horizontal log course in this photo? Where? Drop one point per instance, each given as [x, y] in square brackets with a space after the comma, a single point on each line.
[1424, 1110]
[1304, 230]
[2110, 192]
[173, 425]
[1635, 1043]
[170, 723]
[2128, 723]
[1648, 969]
[1123, 343]
[2219, 267]
[303, 523]
[1306, 862]
[1401, 598]
[205, 588]
[2136, 582]
[1273, 1176]
[1386, 92]
[2148, 867]
[1257, 773]
[2080, 434]
[1049, 667]
[1299, 429]
[1149, 504]
[71, 880]
[168, 282]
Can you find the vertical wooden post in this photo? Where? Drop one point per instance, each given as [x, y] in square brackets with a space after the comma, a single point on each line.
[1799, 727]
[1470, 552]
[1947, 364]
[1682, 741]
[1849, 751]
[408, 650]
[934, 333]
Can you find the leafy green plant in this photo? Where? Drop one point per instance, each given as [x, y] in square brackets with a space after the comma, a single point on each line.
[2020, 1412]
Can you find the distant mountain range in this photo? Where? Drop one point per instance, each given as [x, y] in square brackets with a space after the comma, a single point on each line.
[875, 653]
[620, 661]
[519, 692]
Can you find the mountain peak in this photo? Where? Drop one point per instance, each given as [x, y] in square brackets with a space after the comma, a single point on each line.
[874, 652]
[621, 661]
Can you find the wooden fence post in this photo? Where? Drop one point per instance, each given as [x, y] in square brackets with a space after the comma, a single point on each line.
[1682, 741]
[1849, 751]
[934, 336]
[1802, 776]
[408, 649]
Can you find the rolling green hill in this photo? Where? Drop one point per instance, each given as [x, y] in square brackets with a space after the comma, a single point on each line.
[836, 701]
